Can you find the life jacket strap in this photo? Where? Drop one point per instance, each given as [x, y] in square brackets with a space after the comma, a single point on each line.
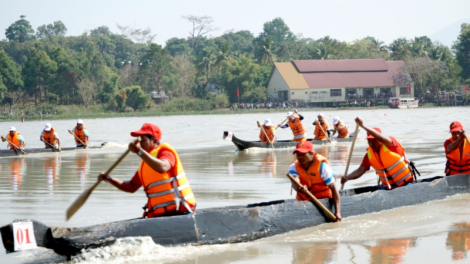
[177, 177]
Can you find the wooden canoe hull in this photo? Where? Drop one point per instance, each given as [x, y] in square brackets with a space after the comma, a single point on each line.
[240, 223]
[11, 153]
[242, 144]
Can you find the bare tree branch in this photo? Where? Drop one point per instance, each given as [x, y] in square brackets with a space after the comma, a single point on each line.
[201, 27]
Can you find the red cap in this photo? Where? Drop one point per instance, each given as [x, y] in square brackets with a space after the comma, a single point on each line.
[376, 129]
[455, 126]
[303, 147]
[148, 129]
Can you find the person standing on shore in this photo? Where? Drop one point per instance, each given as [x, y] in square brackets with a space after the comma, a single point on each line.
[457, 149]
[16, 139]
[50, 137]
[295, 124]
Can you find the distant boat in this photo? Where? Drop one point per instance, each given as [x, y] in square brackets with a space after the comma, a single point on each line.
[242, 144]
[11, 152]
[397, 102]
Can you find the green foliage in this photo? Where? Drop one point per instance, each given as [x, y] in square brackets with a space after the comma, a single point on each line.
[177, 46]
[3, 88]
[135, 97]
[57, 29]
[9, 71]
[156, 72]
[462, 50]
[255, 95]
[187, 104]
[39, 71]
[20, 31]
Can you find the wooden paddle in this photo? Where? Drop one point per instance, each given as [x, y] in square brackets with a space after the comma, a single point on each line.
[259, 125]
[350, 153]
[70, 131]
[77, 204]
[327, 137]
[283, 122]
[315, 200]
[52, 147]
[16, 148]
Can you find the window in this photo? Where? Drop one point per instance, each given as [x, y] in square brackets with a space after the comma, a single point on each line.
[323, 92]
[292, 92]
[404, 90]
[314, 92]
[306, 92]
[335, 92]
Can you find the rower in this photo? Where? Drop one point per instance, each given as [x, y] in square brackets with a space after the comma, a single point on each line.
[50, 137]
[270, 135]
[319, 132]
[387, 156]
[457, 150]
[295, 124]
[313, 172]
[16, 139]
[81, 134]
[340, 127]
[160, 173]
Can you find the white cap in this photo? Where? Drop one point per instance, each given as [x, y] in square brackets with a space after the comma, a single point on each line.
[12, 128]
[79, 121]
[335, 120]
[289, 114]
[48, 127]
[267, 122]
[321, 114]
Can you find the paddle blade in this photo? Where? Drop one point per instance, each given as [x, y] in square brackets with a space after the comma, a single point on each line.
[78, 203]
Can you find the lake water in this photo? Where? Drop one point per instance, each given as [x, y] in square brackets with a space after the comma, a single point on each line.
[42, 186]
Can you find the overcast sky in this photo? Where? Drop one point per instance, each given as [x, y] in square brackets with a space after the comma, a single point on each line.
[345, 20]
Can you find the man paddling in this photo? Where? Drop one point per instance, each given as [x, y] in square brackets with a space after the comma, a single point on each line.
[313, 172]
[320, 132]
[160, 173]
[50, 137]
[457, 150]
[387, 156]
[340, 127]
[81, 134]
[16, 139]
[295, 124]
[268, 131]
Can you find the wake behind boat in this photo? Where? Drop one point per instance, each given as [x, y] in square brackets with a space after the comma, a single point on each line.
[242, 144]
[235, 223]
[9, 152]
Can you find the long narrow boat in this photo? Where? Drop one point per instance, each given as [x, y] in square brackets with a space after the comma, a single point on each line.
[242, 144]
[238, 223]
[9, 152]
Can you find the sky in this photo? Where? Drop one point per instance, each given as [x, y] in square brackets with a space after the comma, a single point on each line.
[345, 20]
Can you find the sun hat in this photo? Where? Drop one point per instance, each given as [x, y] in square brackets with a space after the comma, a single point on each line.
[148, 129]
[303, 147]
[48, 127]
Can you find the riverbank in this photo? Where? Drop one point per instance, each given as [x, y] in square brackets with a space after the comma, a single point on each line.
[75, 112]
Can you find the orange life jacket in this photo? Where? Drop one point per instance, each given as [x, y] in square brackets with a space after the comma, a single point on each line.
[390, 165]
[312, 179]
[342, 130]
[80, 134]
[297, 127]
[318, 133]
[269, 131]
[50, 138]
[166, 193]
[15, 140]
[458, 163]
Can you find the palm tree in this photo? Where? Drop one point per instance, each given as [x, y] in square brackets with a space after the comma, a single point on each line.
[268, 55]
[224, 53]
[206, 60]
[400, 49]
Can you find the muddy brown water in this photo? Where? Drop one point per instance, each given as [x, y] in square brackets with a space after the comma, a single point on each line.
[42, 186]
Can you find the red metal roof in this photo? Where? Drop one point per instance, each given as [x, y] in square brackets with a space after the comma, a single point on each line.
[305, 66]
[348, 75]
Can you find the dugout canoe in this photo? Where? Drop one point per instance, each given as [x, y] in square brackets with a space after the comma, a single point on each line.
[10, 153]
[242, 144]
[238, 223]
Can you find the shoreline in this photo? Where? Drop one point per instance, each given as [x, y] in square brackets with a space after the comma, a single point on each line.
[213, 112]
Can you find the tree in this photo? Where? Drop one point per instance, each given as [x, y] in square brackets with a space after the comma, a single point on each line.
[224, 53]
[327, 48]
[177, 46]
[265, 49]
[57, 29]
[241, 41]
[39, 70]
[201, 26]
[21, 31]
[65, 81]
[425, 72]
[135, 97]
[10, 73]
[186, 72]
[3, 88]
[157, 72]
[278, 31]
[206, 61]
[137, 34]
[461, 49]
[400, 49]
[85, 90]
